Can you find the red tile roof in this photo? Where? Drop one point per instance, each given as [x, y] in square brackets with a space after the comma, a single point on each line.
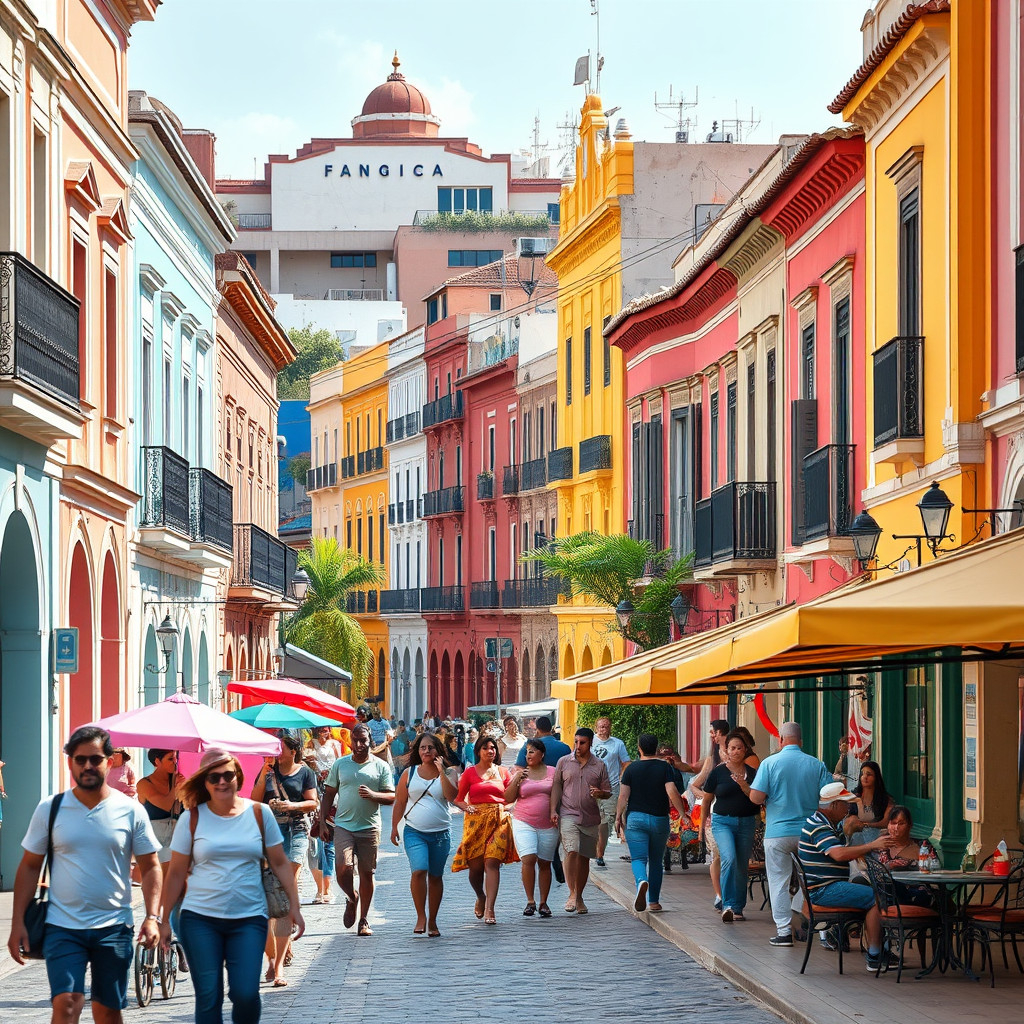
[508, 271]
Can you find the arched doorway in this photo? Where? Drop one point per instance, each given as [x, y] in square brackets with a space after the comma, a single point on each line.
[540, 674]
[203, 671]
[185, 681]
[443, 686]
[433, 698]
[553, 664]
[459, 702]
[80, 685]
[25, 699]
[420, 700]
[151, 658]
[568, 663]
[110, 640]
[606, 656]
[408, 712]
[382, 672]
[588, 660]
[527, 681]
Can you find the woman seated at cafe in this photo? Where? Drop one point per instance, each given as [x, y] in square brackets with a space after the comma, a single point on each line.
[903, 857]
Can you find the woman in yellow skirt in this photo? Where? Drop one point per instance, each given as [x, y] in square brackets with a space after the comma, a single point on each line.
[487, 841]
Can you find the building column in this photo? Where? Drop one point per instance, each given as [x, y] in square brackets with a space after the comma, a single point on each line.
[275, 270]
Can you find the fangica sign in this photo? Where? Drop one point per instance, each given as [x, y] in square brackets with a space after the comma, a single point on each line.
[383, 171]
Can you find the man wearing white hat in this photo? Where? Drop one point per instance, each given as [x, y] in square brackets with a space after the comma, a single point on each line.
[826, 855]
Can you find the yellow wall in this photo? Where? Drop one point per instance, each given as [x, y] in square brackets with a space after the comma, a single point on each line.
[587, 260]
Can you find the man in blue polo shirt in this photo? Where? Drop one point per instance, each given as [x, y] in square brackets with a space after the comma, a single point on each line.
[788, 784]
[554, 749]
[826, 858]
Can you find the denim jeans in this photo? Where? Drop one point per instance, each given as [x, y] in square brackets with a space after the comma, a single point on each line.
[212, 942]
[646, 836]
[325, 857]
[735, 838]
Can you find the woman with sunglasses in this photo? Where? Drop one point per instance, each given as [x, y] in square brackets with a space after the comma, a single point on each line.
[223, 839]
[423, 801]
[157, 792]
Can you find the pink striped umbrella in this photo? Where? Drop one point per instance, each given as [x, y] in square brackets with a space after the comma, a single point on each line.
[295, 695]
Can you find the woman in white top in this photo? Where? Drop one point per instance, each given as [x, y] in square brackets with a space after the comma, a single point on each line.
[224, 913]
[424, 801]
[511, 741]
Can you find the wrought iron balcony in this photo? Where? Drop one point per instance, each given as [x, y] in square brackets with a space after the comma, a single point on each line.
[355, 602]
[419, 508]
[510, 480]
[348, 467]
[485, 487]
[412, 423]
[391, 514]
[261, 561]
[596, 453]
[253, 221]
[447, 407]
[483, 594]
[560, 464]
[535, 592]
[396, 602]
[371, 600]
[165, 490]
[396, 513]
[394, 430]
[446, 501]
[828, 491]
[210, 510]
[441, 599]
[534, 474]
[322, 476]
[899, 390]
[736, 525]
[39, 371]
[370, 461]
[410, 509]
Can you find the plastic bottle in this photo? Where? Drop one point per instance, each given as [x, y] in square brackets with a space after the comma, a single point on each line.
[923, 863]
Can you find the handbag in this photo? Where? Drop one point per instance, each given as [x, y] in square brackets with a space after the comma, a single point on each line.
[430, 784]
[278, 904]
[35, 912]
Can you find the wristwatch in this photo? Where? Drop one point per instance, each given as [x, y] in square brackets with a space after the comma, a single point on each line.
[155, 917]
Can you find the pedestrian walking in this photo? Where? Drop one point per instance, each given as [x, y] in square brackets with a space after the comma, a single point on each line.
[219, 847]
[788, 784]
[536, 838]
[719, 730]
[423, 801]
[94, 831]
[322, 752]
[361, 783]
[400, 747]
[646, 791]
[468, 757]
[121, 775]
[381, 735]
[288, 788]
[612, 751]
[511, 740]
[487, 841]
[158, 793]
[580, 781]
[554, 748]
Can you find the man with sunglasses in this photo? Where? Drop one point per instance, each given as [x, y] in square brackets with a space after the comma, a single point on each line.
[96, 832]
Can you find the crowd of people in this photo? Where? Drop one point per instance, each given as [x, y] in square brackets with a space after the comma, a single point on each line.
[219, 871]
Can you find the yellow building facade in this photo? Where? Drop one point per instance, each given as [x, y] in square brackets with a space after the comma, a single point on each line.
[586, 461]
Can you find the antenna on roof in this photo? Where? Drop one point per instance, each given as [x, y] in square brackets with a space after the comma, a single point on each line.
[683, 124]
[596, 13]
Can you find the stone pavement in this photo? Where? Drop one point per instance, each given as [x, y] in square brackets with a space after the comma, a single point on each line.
[608, 961]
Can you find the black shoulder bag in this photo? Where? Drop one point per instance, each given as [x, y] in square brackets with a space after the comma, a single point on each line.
[35, 912]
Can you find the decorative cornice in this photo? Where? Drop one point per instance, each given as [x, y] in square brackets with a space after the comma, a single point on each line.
[586, 241]
[807, 297]
[838, 271]
[758, 244]
[113, 217]
[150, 278]
[171, 304]
[909, 161]
[80, 182]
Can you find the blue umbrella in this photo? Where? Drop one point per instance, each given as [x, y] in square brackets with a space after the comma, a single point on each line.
[280, 716]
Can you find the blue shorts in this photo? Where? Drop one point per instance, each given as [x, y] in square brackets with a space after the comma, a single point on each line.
[296, 841]
[844, 894]
[108, 951]
[427, 851]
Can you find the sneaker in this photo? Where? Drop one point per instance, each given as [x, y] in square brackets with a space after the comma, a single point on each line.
[718, 903]
[781, 940]
[600, 862]
[668, 869]
[318, 898]
[727, 915]
[640, 903]
[828, 940]
[737, 915]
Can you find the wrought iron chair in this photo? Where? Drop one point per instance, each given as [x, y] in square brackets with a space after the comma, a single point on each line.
[900, 921]
[1002, 920]
[820, 918]
[756, 872]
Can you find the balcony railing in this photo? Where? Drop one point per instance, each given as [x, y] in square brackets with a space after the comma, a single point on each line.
[510, 480]
[447, 407]
[560, 464]
[322, 476]
[483, 595]
[534, 474]
[441, 599]
[652, 529]
[400, 601]
[596, 453]
[355, 602]
[736, 523]
[536, 592]
[394, 430]
[348, 467]
[410, 507]
[444, 502]
[489, 220]
[828, 491]
[370, 461]
[261, 560]
[484, 488]
[391, 514]
[396, 513]
[419, 508]
[899, 390]
[210, 510]
[253, 221]
[39, 344]
[354, 294]
[165, 490]
[371, 600]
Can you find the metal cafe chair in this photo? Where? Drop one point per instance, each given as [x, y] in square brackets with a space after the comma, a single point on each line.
[900, 921]
[820, 918]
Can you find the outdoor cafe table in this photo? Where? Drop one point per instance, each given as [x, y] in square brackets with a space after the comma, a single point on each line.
[948, 886]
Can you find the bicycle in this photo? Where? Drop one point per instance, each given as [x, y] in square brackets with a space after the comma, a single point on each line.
[153, 961]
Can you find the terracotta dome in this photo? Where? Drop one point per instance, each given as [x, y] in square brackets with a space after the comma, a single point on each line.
[396, 109]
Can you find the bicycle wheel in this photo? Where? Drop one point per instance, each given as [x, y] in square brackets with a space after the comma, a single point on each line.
[144, 962]
[168, 971]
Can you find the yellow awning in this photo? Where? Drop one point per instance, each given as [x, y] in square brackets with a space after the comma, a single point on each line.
[972, 600]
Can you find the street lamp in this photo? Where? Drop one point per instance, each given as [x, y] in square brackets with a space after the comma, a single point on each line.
[624, 612]
[680, 611]
[865, 532]
[279, 661]
[934, 507]
[223, 678]
[167, 635]
[300, 585]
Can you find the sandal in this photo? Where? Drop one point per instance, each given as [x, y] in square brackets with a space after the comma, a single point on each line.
[530, 909]
[269, 976]
[280, 982]
[544, 910]
[364, 927]
[433, 934]
[490, 920]
[349, 917]
[478, 907]
[288, 958]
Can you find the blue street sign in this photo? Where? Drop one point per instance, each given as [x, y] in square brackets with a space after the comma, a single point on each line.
[65, 650]
[492, 666]
[491, 647]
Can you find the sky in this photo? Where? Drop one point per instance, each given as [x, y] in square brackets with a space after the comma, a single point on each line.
[266, 76]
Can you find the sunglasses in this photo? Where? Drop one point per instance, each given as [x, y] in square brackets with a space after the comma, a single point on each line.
[93, 760]
[216, 778]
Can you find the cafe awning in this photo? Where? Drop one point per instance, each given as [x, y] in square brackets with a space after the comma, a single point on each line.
[972, 601]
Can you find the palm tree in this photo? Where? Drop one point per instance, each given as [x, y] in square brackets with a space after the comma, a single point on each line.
[611, 570]
[321, 626]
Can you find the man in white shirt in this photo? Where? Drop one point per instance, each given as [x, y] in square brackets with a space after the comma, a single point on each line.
[613, 752]
[96, 831]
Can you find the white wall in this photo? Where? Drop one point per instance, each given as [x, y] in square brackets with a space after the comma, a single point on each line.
[369, 320]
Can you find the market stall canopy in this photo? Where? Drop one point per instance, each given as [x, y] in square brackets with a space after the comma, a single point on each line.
[280, 716]
[295, 695]
[972, 600]
[308, 668]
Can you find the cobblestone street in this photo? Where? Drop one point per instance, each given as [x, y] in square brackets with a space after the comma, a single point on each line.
[608, 963]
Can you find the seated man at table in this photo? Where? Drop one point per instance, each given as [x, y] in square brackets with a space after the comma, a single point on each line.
[826, 855]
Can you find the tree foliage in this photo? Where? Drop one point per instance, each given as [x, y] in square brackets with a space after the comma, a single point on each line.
[321, 626]
[298, 466]
[630, 720]
[317, 349]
